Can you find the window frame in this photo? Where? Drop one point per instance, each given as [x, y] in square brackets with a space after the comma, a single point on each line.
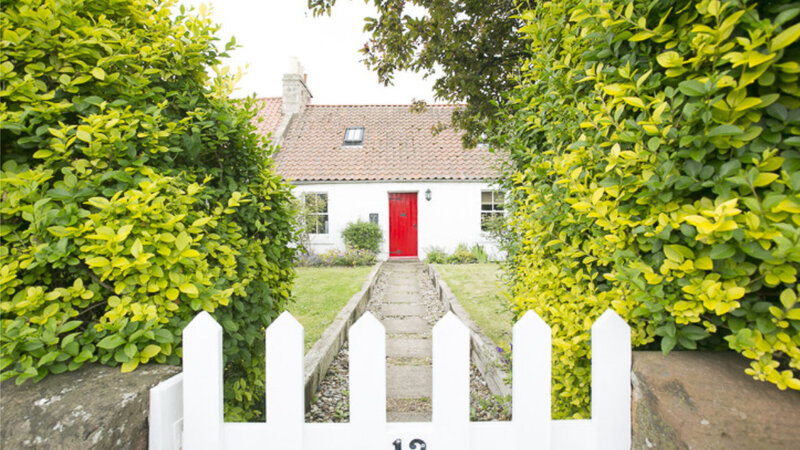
[325, 222]
[353, 143]
[493, 210]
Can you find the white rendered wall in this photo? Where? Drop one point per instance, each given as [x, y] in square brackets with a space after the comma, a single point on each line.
[451, 217]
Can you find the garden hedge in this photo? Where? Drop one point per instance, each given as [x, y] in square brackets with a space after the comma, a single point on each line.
[654, 169]
[134, 195]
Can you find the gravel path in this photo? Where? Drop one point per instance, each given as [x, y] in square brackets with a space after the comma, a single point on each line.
[331, 402]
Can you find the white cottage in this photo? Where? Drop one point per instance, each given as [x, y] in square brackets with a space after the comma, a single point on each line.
[383, 163]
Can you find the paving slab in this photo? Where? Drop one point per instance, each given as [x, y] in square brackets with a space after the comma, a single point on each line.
[408, 348]
[413, 325]
[408, 416]
[401, 298]
[408, 381]
[409, 404]
[427, 335]
[403, 309]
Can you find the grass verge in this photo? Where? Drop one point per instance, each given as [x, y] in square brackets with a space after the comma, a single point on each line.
[478, 287]
[320, 293]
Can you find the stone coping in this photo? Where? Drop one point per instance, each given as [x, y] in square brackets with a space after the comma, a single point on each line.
[483, 351]
[318, 359]
[94, 407]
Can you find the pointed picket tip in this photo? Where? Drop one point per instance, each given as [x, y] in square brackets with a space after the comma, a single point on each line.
[609, 319]
[285, 321]
[533, 320]
[450, 323]
[367, 325]
[202, 323]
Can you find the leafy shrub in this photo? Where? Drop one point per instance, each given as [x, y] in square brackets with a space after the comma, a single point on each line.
[479, 253]
[655, 170]
[348, 257]
[357, 258]
[135, 194]
[329, 258]
[462, 255]
[436, 255]
[362, 235]
[308, 260]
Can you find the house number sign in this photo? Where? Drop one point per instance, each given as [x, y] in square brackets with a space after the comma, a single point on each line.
[398, 444]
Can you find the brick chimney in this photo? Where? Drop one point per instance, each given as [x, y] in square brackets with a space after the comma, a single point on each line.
[295, 97]
[295, 92]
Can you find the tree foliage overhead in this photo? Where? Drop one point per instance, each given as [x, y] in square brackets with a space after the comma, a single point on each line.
[134, 194]
[471, 46]
[655, 170]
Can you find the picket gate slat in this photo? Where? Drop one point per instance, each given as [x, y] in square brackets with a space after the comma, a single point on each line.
[367, 372]
[450, 401]
[611, 386]
[198, 409]
[531, 374]
[285, 390]
[202, 383]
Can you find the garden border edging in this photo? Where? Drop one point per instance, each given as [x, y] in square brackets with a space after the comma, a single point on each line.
[482, 348]
[318, 359]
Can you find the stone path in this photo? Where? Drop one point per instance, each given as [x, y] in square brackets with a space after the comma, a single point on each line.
[408, 344]
[406, 302]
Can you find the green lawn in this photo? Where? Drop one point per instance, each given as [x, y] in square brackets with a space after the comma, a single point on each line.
[477, 287]
[320, 293]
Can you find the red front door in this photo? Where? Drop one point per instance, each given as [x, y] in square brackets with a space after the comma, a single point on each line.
[403, 225]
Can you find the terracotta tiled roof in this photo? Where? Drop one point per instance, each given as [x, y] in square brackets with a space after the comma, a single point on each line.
[398, 145]
[270, 111]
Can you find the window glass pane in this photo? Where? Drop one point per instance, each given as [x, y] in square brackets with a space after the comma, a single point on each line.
[486, 219]
[353, 135]
[311, 224]
[323, 224]
[322, 203]
[499, 196]
[486, 198]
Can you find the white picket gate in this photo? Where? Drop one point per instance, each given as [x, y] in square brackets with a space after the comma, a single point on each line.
[186, 411]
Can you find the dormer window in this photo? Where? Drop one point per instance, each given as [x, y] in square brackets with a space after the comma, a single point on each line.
[354, 136]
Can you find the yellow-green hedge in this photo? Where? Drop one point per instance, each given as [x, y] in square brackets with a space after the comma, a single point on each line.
[134, 194]
[655, 170]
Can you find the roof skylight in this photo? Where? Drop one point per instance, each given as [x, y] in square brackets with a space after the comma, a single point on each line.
[354, 136]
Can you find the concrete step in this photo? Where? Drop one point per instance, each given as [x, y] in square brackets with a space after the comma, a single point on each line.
[413, 325]
[402, 298]
[408, 416]
[403, 309]
[408, 381]
[408, 348]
